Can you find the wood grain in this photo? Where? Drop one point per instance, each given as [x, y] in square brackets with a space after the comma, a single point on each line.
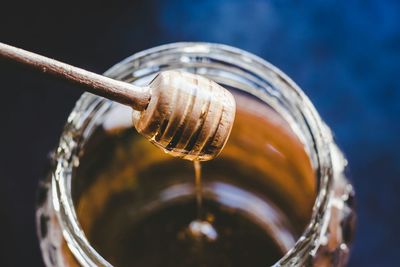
[124, 93]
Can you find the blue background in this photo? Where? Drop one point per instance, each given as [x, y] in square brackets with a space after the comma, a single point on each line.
[344, 55]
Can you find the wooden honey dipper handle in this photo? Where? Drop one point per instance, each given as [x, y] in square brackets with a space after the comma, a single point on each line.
[124, 93]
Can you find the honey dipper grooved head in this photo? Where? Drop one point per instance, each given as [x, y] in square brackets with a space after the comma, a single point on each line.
[188, 116]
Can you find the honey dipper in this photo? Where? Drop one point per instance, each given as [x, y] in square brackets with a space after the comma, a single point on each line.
[185, 114]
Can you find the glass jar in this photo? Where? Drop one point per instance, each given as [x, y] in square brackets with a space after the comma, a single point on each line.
[321, 237]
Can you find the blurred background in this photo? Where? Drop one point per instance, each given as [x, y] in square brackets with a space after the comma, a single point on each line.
[344, 54]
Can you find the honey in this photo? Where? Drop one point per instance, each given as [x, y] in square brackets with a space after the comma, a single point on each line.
[141, 207]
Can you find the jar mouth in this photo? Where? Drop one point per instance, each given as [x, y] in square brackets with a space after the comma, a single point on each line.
[267, 79]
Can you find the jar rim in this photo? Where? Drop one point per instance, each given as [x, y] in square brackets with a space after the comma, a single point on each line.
[78, 120]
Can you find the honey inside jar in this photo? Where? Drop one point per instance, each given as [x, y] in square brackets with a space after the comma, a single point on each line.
[135, 203]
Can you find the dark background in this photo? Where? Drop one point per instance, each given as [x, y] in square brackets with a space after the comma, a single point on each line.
[344, 54]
